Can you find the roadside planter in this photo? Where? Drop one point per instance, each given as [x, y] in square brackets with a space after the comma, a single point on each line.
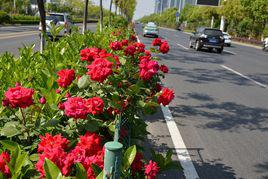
[76, 110]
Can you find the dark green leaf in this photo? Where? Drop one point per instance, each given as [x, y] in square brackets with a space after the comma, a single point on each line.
[9, 145]
[81, 173]
[97, 170]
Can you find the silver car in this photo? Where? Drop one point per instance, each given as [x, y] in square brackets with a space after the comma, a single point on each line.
[227, 39]
[58, 19]
[151, 29]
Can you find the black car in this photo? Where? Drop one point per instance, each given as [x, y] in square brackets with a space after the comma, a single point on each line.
[208, 38]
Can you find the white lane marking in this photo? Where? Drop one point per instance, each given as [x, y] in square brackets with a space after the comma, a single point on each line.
[181, 150]
[12, 35]
[230, 52]
[244, 76]
[183, 46]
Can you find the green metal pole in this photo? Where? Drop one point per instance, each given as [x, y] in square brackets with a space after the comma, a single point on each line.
[112, 160]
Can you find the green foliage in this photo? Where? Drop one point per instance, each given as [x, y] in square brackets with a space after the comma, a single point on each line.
[129, 157]
[166, 19]
[117, 21]
[51, 170]
[4, 17]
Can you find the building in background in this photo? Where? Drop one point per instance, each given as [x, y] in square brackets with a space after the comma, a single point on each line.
[161, 5]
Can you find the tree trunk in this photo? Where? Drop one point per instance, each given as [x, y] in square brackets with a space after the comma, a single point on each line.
[41, 9]
[110, 13]
[101, 16]
[85, 17]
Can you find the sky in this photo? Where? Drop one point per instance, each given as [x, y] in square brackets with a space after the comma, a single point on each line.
[144, 7]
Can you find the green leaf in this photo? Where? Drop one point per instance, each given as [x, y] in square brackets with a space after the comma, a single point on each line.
[10, 129]
[81, 173]
[122, 61]
[129, 157]
[9, 145]
[83, 82]
[34, 157]
[21, 159]
[97, 170]
[141, 103]
[100, 176]
[51, 170]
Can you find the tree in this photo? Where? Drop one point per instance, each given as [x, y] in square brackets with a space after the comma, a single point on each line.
[110, 13]
[101, 16]
[41, 9]
[85, 17]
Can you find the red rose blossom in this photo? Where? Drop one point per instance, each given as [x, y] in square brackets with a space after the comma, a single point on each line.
[158, 87]
[58, 91]
[89, 54]
[151, 170]
[100, 69]
[130, 50]
[19, 97]
[156, 42]
[164, 68]
[61, 106]
[4, 159]
[66, 77]
[164, 47]
[95, 105]
[137, 165]
[124, 42]
[147, 53]
[148, 68]
[48, 141]
[140, 47]
[116, 46]
[133, 38]
[166, 96]
[76, 107]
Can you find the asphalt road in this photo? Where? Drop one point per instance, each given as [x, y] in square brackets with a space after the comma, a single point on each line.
[14, 37]
[221, 107]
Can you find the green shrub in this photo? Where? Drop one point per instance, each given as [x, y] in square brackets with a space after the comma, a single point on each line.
[117, 21]
[4, 17]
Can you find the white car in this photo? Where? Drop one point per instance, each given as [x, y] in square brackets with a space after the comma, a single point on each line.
[150, 29]
[59, 19]
[227, 39]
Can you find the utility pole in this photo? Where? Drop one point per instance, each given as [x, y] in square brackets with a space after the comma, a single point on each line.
[161, 6]
[212, 22]
[169, 3]
[85, 17]
[222, 23]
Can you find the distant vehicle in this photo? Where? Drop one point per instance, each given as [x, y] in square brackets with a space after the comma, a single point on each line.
[207, 37]
[151, 29]
[265, 44]
[58, 19]
[227, 39]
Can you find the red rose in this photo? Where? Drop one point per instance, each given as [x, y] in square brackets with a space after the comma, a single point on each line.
[100, 69]
[158, 87]
[95, 105]
[61, 106]
[124, 42]
[42, 100]
[156, 42]
[19, 97]
[76, 107]
[147, 53]
[48, 141]
[68, 95]
[130, 50]
[164, 68]
[136, 166]
[144, 57]
[66, 77]
[4, 159]
[148, 68]
[140, 47]
[89, 54]
[58, 91]
[115, 46]
[164, 47]
[151, 170]
[133, 38]
[166, 96]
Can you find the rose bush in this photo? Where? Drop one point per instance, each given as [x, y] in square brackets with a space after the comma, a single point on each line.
[103, 81]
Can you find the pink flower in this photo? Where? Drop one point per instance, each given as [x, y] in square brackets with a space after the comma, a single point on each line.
[42, 100]
[148, 68]
[151, 170]
[4, 159]
[19, 97]
[58, 91]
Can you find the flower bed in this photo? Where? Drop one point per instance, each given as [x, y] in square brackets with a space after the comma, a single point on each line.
[59, 108]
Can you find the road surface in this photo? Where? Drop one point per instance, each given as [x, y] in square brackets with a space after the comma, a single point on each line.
[14, 37]
[220, 108]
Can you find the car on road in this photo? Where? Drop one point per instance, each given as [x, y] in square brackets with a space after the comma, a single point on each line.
[265, 44]
[227, 39]
[209, 38]
[58, 19]
[151, 29]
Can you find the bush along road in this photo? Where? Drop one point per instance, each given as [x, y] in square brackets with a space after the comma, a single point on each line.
[59, 108]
